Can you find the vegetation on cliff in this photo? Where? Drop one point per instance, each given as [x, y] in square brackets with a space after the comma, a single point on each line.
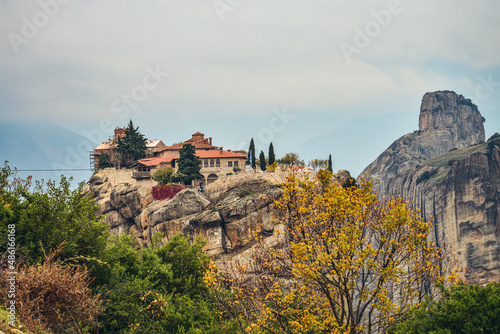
[342, 260]
[349, 263]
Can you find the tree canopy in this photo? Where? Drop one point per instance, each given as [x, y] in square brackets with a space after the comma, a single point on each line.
[132, 146]
[50, 214]
[348, 263]
[189, 165]
[262, 161]
[251, 154]
[463, 309]
[290, 160]
[271, 156]
[318, 164]
[163, 175]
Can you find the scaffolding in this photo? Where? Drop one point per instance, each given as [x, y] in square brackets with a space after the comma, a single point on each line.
[92, 161]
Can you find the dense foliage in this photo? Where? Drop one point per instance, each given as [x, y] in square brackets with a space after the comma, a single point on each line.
[262, 161]
[92, 280]
[166, 192]
[251, 154]
[344, 258]
[163, 175]
[464, 309]
[132, 146]
[271, 156]
[50, 215]
[340, 261]
[159, 288]
[104, 161]
[189, 165]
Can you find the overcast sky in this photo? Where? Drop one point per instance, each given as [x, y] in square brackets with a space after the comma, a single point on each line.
[176, 67]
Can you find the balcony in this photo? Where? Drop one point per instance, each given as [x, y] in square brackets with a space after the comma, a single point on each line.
[141, 175]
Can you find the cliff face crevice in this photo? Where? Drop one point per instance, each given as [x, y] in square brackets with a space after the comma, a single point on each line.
[453, 177]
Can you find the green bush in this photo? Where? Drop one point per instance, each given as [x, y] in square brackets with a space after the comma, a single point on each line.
[464, 309]
[159, 289]
[163, 175]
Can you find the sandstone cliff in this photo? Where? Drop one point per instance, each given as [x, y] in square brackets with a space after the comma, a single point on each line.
[448, 172]
[446, 121]
[223, 215]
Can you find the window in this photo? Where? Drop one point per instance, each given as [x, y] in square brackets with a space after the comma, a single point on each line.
[217, 163]
[211, 163]
[206, 164]
[229, 164]
[236, 164]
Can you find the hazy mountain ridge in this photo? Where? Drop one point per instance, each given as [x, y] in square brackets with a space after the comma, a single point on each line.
[42, 145]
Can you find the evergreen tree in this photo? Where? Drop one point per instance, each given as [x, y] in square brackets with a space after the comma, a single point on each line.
[271, 157]
[262, 159]
[133, 146]
[251, 154]
[189, 164]
[104, 161]
[330, 165]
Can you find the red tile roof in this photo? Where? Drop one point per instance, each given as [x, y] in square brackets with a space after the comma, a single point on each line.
[105, 146]
[197, 145]
[218, 154]
[152, 162]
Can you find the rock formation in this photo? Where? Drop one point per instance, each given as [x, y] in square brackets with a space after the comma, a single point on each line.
[448, 172]
[446, 121]
[223, 215]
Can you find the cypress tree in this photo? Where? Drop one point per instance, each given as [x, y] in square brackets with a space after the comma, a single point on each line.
[271, 157]
[262, 159]
[189, 164]
[251, 154]
[330, 165]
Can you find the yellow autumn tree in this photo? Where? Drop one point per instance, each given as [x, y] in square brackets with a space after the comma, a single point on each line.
[348, 262]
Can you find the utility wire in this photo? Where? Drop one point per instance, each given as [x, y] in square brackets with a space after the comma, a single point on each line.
[52, 170]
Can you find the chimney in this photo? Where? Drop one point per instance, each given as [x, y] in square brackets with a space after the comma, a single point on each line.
[221, 149]
[210, 140]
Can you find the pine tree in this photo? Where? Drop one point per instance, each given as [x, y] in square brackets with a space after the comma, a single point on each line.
[251, 154]
[271, 157]
[330, 165]
[132, 146]
[262, 159]
[189, 164]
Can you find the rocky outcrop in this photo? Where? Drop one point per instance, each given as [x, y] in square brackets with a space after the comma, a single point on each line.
[447, 121]
[449, 173]
[224, 215]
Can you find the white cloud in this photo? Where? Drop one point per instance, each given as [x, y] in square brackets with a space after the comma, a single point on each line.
[263, 55]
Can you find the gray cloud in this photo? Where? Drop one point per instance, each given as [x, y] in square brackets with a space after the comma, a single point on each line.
[262, 55]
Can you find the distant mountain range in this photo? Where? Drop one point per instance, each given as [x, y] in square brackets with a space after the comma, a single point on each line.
[39, 145]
